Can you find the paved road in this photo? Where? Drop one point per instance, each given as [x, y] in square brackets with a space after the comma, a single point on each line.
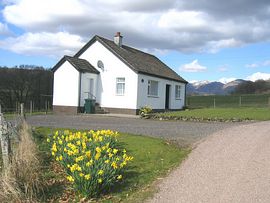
[232, 165]
[184, 132]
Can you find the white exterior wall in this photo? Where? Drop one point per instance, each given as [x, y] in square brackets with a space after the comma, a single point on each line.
[113, 68]
[159, 102]
[66, 86]
[85, 86]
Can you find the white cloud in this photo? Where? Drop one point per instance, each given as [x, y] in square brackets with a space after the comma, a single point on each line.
[154, 24]
[226, 80]
[194, 66]
[215, 46]
[223, 68]
[182, 20]
[252, 65]
[259, 64]
[35, 13]
[4, 29]
[193, 81]
[258, 76]
[50, 44]
[266, 63]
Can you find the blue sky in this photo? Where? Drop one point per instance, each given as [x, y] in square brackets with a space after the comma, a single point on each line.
[201, 40]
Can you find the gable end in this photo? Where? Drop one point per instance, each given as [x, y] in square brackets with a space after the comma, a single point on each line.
[136, 60]
[80, 65]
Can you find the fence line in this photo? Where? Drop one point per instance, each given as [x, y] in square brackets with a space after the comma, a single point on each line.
[215, 101]
[29, 107]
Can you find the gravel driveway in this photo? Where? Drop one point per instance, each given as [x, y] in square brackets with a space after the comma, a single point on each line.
[187, 132]
[232, 165]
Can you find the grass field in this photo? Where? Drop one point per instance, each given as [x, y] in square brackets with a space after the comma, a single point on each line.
[252, 100]
[153, 158]
[260, 114]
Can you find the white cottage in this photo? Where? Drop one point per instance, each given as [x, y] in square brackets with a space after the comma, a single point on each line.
[119, 78]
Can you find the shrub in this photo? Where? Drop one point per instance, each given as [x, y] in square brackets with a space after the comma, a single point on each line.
[145, 111]
[91, 160]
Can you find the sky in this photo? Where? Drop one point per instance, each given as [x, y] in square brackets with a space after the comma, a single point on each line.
[199, 39]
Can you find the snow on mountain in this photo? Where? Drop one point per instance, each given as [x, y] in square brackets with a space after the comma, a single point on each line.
[197, 84]
[209, 88]
[233, 83]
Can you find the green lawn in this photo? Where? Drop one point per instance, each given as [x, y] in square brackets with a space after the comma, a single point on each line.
[153, 158]
[260, 114]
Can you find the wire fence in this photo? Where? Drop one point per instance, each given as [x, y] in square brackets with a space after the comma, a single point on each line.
[229, 101]
[28, 107]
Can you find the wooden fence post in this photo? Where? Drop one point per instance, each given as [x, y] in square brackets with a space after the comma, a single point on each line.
[214, 103]
[22, 110]
[269, 102]
[240, 101]
[45, 106]
[5, 141]
[31, 108]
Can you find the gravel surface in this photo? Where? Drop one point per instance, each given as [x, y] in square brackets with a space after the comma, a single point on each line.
[232, 165]
[184, 132]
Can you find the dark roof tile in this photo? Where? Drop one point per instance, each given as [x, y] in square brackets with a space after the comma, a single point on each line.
[81, 65]
[137, 60]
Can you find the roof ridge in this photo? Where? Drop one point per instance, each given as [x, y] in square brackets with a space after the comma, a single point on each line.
[78, 63]
[137, 60]
[127, 46]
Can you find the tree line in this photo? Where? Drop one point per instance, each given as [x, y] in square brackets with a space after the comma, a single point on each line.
[25, 84]
[249, 87]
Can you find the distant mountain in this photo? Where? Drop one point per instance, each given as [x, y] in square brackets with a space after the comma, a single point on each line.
[210, 88]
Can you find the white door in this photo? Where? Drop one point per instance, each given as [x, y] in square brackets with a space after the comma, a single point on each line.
[91, 88]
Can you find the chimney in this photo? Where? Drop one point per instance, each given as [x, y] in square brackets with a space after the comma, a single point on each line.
[118, 39]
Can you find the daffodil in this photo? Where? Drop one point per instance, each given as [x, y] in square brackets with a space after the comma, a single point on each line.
[119, 177]
[70, 178]
[100, 172]
[88, 154]
[97, 156]
[81, 174]
[87, 177]
[114, 165]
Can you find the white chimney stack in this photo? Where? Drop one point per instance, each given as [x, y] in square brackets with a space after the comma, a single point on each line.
[118, 39]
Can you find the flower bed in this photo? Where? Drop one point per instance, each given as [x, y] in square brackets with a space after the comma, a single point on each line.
[92, 161]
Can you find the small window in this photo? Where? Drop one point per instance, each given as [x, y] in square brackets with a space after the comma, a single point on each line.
[120, 86]
[152, 88]
[177, 91]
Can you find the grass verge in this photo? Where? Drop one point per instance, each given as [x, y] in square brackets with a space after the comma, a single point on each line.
[153, 158]
[21, 180]
[219, 114]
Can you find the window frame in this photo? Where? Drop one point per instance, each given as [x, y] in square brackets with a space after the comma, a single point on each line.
[150, 88]
[177, 92]
[123, 83]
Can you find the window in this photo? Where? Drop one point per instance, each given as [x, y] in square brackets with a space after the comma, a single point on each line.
[120, 86]
[177, 91]
[152, 88]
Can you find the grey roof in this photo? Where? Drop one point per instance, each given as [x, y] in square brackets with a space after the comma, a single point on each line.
[137, 60]
[81, 65]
